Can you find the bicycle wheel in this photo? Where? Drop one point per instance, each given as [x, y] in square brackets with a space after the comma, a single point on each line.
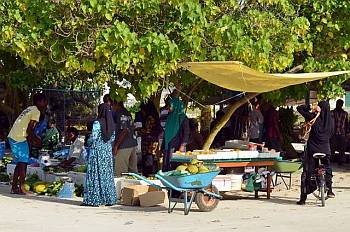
[320, 192]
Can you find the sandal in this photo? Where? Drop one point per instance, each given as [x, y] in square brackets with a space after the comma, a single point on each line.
[14, 191]
[83, 204]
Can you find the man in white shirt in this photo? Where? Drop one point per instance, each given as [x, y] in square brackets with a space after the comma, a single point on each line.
[76, 150]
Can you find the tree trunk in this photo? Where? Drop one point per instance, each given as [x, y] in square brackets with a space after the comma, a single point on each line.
[156, 100]
[226, 118]
[205, 121]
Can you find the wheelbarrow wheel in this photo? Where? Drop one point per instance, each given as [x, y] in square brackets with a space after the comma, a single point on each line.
[205, 202]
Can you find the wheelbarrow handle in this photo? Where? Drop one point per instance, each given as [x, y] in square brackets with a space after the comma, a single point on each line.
[143, 179]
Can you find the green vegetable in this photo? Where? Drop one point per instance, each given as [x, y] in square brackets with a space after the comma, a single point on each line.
[54, 188]
[79, 190]
[4, 177]
[82, 168]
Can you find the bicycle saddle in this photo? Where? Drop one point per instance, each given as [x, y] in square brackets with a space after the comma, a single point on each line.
[319, 155]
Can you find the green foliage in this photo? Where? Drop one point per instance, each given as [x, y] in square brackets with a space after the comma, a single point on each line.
[142, 42]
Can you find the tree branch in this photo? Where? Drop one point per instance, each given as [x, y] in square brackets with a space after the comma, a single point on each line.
[226, 118]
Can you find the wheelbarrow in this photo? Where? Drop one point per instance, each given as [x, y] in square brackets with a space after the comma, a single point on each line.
[192, 188]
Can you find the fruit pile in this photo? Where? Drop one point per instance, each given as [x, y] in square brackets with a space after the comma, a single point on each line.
[192, 168]
[48, 189]
[199, 152]
[4, 162]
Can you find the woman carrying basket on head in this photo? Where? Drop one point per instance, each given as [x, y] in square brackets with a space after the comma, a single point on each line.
[320, 120]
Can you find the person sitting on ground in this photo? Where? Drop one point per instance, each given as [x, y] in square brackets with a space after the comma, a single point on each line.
[76, 150]
[21, 135]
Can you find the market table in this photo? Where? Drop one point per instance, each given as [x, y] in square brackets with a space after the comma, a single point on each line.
[238, 163]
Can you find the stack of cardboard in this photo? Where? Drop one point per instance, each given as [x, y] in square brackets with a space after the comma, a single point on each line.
[142, 195]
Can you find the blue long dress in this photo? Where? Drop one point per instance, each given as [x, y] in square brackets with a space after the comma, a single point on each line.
[99, 186]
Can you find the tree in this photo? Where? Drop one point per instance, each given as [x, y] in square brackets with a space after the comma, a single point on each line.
[136, 46]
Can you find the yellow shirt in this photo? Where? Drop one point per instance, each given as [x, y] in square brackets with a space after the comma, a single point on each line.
[19, 129]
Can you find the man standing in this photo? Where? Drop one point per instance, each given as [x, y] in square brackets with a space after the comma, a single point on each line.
[21, 135]
[124, 147]
[338, 141]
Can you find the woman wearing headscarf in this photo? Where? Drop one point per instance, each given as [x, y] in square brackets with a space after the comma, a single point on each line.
[318, 142]
[99, 185]
[177, 132]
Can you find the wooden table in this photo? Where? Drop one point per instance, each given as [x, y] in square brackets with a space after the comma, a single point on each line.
[239, 163]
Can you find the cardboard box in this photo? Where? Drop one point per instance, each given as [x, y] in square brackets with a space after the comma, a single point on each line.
[130, 195]
[122, 182]
[152, 198]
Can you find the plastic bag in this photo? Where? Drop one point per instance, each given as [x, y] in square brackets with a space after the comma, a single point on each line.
[67, 190]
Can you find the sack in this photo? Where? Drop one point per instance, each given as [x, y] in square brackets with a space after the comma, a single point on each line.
[250, 183]
[306, 127]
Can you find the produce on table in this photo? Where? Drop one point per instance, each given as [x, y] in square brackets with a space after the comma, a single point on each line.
[199, 152]
[192, 168]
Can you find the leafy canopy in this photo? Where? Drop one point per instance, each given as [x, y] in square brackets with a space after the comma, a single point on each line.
[136, 45]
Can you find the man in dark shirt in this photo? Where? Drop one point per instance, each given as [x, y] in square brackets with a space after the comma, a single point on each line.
[124, 147]
[338, 141]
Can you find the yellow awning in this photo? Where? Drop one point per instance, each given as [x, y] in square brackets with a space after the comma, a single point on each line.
[235, 76]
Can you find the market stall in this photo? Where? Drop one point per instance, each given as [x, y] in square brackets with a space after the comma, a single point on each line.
[241, 155]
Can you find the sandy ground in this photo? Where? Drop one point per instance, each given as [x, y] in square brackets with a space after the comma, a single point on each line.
[238, 212]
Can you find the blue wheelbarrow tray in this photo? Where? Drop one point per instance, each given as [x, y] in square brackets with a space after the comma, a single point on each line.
[195, 181]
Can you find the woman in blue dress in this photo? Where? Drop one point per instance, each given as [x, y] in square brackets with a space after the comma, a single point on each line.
[99, 185]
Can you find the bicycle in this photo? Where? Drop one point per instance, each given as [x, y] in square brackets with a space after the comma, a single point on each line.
[320, 177]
